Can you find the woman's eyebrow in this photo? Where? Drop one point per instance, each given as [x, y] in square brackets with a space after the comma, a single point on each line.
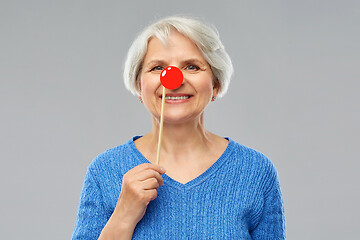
[155, 62]
[186, 61]
[194, 60]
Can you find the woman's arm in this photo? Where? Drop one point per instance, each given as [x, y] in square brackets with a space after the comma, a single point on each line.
[114, 229]
[139, 187]
[272, 221]
[91, 216]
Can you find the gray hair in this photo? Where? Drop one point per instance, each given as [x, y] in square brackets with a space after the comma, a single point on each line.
[205, 37]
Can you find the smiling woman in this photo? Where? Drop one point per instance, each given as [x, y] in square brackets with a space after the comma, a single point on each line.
[198, 82]
[213, 187]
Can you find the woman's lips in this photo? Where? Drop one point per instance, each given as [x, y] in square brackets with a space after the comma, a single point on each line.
[176, 101]
[176, 95]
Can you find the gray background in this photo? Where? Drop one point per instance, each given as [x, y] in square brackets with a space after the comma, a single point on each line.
[294, 97]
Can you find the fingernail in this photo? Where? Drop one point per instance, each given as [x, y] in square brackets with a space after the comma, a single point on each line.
[163, 170]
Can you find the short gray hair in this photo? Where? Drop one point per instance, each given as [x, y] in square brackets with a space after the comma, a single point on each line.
[205, 37]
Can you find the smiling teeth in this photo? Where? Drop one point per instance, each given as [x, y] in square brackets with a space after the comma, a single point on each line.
[176, 98]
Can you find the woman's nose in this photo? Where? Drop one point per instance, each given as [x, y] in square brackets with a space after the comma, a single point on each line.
[171, 77]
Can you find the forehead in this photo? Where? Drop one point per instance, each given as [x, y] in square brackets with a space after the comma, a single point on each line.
[176, 45]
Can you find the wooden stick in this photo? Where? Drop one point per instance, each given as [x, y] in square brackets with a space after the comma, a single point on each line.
[161, 125]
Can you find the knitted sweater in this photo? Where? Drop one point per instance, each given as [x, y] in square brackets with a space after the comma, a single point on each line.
[238, 197]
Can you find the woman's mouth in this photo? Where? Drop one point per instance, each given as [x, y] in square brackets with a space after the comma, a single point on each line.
[177, 99]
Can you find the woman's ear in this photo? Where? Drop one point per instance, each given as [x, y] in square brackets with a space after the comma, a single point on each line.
[138, 84]
[216, 88]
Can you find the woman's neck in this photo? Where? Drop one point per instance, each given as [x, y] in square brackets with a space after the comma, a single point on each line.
[180, 141]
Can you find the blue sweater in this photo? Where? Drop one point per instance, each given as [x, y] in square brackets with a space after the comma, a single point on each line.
[238, 197]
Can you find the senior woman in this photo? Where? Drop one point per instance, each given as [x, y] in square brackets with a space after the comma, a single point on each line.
[207, 187]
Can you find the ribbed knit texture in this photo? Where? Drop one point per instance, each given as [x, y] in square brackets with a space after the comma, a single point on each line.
[238, 197]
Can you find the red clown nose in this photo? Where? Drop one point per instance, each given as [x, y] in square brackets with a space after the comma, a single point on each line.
[171, 77]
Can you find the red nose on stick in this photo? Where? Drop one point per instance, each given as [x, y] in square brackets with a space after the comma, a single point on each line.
[171, 77]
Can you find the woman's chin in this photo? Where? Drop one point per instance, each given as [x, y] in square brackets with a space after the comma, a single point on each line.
[179, 118]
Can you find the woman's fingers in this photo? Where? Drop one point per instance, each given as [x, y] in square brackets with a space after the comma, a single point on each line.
[146, 166]
[152, 194]
[150, 174]
[139, 186]
[150, 184]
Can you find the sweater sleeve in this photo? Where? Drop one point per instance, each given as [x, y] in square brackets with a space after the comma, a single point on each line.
[91, 216]
[272, 222]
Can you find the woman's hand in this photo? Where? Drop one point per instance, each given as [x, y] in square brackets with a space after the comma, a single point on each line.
[139, 187]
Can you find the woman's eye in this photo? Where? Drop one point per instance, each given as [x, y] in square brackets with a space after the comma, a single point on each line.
[157, 68]
[193, 67]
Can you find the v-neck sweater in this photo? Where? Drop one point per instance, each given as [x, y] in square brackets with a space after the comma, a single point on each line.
[238, 197]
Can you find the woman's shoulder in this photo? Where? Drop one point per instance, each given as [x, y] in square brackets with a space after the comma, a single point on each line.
[117, 157]
[253, 163]
[251, 158]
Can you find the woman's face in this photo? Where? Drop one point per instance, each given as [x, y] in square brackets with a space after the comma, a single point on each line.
[180, 52]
